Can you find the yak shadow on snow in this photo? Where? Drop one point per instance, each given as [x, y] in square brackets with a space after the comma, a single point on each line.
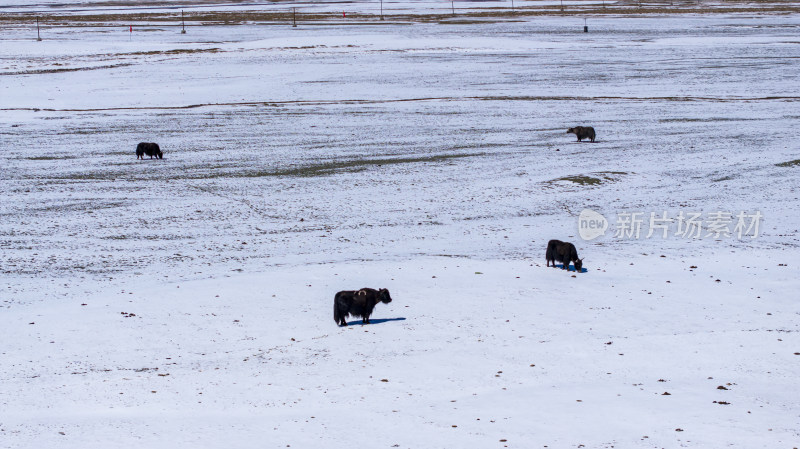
[571, 268]
[375, 321]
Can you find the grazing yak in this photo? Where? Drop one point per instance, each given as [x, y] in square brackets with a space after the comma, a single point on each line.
[582, 132]
[358, 303]
[565, 252]
[150, 149]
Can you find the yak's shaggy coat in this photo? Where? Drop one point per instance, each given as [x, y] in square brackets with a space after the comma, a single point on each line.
[358, 303]
[582, 132]
[564, 252]
[149, 148]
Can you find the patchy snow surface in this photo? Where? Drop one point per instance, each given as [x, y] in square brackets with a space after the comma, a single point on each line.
[188, 301]
[405, 7]
[502, 349]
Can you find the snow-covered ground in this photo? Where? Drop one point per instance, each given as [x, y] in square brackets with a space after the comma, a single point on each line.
[188, 301]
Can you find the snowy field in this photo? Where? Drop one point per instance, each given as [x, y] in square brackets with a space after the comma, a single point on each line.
[187, 302]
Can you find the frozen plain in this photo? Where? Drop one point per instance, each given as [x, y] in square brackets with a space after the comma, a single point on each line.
[187, 302]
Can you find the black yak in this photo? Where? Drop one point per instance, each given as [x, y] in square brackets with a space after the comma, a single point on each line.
[582, 132]
[358, 303]
[565, 252]
[150, 149]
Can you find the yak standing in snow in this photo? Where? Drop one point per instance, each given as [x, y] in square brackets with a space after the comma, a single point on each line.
[564, 252]
[358, 303]
[582, 132]
[149, 148]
